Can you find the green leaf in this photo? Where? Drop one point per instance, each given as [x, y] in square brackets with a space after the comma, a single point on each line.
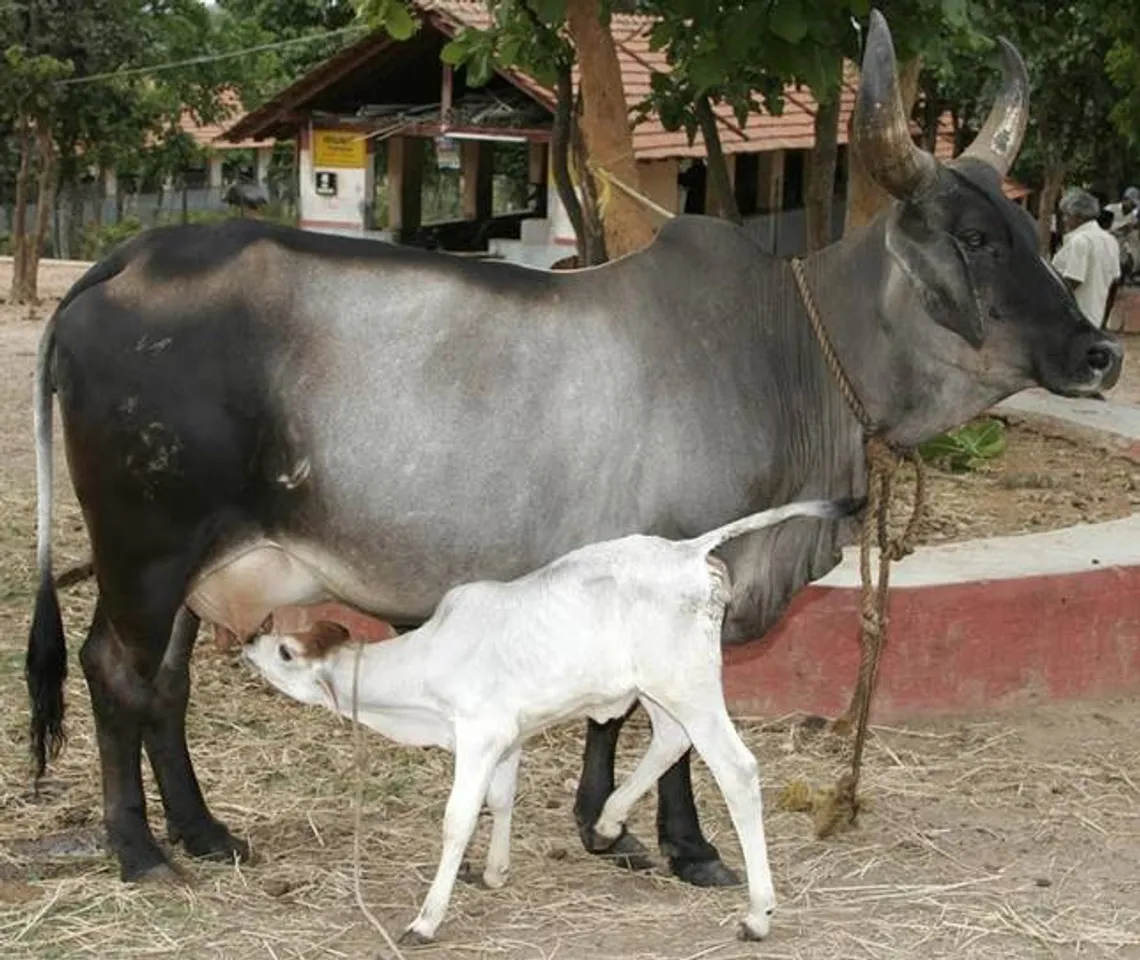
[509, 52]
[479, 67]
[398, 21]
[787, 20]
[548, 11]
[455, 51]
[706, 72]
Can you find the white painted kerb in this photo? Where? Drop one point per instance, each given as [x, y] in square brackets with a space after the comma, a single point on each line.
[1087, 546]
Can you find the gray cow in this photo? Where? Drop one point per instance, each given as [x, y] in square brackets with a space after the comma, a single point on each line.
[256, 416]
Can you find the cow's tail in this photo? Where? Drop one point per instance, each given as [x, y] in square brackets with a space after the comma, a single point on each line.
[45, 668]
[823, 509]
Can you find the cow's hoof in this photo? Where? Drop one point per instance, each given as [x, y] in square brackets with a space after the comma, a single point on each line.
[162, 875]
[212, 841]
[413, 938]
[704, 873]
[626, 851]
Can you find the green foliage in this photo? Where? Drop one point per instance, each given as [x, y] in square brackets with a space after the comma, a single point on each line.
[528, 37]
[99, 240]
[966, 448]
[392, 15]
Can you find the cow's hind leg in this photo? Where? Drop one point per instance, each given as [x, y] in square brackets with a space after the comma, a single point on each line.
[188, 820]
[119, 702]
[691, 857]
[594, 787]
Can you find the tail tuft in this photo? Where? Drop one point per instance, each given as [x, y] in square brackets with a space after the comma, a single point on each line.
[45, 670]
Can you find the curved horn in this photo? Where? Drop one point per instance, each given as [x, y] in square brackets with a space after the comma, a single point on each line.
[1000, 137]
[880, 133]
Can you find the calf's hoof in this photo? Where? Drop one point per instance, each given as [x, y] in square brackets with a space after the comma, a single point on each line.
[753, 929]
[704, 873]
[413, 938]
[624, 851]
[494, 879]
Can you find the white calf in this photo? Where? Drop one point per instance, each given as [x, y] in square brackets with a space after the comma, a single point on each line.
[632, 619]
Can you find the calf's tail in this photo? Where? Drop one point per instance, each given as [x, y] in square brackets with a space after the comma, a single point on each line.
[45, 667]
[823, 509]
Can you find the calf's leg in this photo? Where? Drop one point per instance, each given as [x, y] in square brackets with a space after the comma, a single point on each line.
[669, 742]
[188, 820]
[734, 768]
[594, 786]
[501, 802]
[476, 756]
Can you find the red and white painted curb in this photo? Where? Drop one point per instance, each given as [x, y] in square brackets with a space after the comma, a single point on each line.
[974, 626]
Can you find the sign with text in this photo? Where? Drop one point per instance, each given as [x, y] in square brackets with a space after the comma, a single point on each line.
[339, 148]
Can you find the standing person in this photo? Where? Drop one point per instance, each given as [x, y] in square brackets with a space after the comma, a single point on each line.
[1126, 228]
[1089, 258]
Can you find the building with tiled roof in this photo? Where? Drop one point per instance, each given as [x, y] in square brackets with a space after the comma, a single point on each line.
[378, 91]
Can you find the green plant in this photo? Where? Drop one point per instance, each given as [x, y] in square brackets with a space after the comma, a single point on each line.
[967, 447]
[99, 239]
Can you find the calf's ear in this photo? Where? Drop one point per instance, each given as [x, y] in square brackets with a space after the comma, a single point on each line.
[935, 264]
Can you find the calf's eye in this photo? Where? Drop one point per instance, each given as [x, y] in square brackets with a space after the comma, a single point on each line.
[285, 654]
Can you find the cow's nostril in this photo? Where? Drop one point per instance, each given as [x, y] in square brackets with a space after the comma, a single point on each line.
[1099, 358]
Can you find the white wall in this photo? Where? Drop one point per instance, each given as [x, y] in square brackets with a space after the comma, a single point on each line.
[343, 212]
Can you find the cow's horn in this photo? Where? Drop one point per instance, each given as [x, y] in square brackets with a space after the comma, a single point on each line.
[880, 134]
[1000, 138]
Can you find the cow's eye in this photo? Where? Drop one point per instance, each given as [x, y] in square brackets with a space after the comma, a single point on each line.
[285, 654]
[972, 239]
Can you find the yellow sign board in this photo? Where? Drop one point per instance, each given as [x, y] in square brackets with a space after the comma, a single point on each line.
[339, 148]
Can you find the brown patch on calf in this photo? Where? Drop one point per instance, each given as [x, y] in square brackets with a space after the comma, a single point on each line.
[322, 638]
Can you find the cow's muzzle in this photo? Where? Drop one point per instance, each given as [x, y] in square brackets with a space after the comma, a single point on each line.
[1093, 364]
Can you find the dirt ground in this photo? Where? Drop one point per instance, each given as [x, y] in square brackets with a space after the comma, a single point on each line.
[995, 837]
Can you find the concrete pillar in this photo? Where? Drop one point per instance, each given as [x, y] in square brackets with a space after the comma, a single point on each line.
[475, 172]
[770, 194]
[262, 157]
[405, 183]
[770, 191]
[537, 166]
[214, 169]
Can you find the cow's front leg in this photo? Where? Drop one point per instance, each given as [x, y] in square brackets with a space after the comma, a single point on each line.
[691, 857]
[188, 820]
[594, 788]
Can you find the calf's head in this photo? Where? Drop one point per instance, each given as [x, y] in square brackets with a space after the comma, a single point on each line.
[965, 284]
[300, 665]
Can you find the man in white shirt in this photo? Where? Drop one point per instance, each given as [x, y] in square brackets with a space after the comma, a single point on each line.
[1089, 258]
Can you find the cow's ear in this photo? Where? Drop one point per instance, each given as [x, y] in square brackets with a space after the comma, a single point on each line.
[936, 265]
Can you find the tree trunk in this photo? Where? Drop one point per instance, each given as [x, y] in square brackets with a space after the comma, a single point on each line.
[864, 197]
[723, 195]
[606, 129]
[20, 214]
[593, 239]
[45, 204]
[1050, 194]
[821, 175]
[560, 150]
